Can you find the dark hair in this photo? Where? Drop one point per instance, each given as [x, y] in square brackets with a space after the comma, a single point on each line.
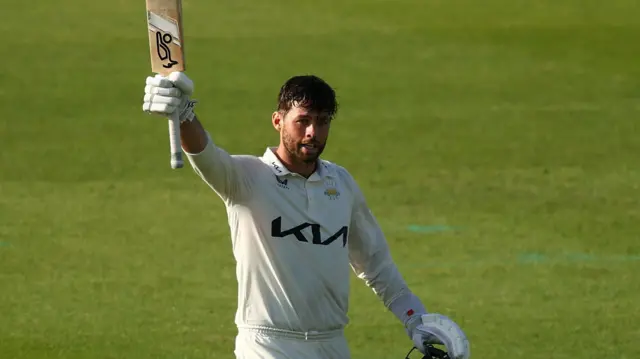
[310, 92]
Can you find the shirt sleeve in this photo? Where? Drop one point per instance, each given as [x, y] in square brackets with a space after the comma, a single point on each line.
[221, 171]
[372, 262]
[370, 256]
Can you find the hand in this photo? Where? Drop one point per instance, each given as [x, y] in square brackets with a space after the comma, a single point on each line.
[438, 329]
[165, 95]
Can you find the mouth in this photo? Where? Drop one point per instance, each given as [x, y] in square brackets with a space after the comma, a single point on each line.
[309, 147]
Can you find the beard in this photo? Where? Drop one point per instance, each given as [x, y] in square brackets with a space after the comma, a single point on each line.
[299, 151]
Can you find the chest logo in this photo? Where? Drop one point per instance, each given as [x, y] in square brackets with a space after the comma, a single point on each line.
[331, 190]
[299, 233]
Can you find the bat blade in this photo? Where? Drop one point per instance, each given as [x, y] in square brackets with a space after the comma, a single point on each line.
[166, 45]
[166, 40]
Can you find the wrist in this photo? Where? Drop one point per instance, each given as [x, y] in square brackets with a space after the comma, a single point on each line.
[408, 309]
[413, 322]
[186, 112]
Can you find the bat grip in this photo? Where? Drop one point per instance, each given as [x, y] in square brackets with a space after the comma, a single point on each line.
[174, 140]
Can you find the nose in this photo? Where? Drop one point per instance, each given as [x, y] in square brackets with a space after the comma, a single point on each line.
[310, 131]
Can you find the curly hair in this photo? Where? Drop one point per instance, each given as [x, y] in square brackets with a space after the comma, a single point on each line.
[310, 92]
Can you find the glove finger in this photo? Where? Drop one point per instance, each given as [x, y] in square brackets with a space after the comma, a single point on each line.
[159, 108]
[421, 339]
[171, 92]
[429, 338]
[173, 101]
[181, 81]
[159, 81]
[435, 336]
[447, 332]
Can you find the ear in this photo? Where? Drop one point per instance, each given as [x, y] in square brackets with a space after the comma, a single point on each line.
[277, 120]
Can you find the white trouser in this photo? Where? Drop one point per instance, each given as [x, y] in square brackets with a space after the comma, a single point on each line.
[262, 343]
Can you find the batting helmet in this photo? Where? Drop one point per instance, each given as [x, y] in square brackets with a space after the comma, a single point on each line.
[431, 353]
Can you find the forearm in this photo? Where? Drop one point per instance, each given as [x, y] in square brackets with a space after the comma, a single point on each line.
[406, 306]
[193, 136]
[392, 289]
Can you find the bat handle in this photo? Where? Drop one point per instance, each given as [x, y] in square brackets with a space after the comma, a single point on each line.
[174, 140]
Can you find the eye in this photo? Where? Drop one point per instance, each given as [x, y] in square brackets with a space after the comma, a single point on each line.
[323, 121]
[303, 121]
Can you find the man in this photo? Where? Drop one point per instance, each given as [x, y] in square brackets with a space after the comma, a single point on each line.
[299, 225]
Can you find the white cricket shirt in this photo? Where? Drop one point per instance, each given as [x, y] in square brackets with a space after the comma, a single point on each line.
[296, 240]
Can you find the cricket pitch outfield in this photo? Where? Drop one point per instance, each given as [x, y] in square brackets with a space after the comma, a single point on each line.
[513, 123]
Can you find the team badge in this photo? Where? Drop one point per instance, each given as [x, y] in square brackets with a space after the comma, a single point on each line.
[331, 190]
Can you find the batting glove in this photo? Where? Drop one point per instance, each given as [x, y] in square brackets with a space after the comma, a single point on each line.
[438, 329]
[164, 95]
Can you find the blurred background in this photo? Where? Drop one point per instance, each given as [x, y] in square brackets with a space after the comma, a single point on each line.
[496, 141]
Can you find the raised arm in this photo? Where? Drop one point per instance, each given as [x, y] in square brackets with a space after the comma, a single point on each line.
[193, 136]
[221, 171]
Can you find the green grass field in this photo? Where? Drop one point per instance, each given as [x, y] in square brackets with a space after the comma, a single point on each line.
[515, 122]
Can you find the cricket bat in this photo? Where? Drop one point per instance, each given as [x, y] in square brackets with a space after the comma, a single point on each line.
[166, 42]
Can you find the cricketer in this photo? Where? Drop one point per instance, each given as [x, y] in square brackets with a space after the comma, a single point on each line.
[299, 225]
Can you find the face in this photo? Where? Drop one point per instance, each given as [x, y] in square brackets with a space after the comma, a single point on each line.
[303, 133]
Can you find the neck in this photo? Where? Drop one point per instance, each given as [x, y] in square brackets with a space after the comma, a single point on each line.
[302, 168]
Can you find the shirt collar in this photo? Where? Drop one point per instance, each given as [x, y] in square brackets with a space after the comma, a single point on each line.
[323, 170]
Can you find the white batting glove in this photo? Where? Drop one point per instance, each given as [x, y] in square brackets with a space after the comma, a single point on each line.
[165, 95]
[438, 329]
